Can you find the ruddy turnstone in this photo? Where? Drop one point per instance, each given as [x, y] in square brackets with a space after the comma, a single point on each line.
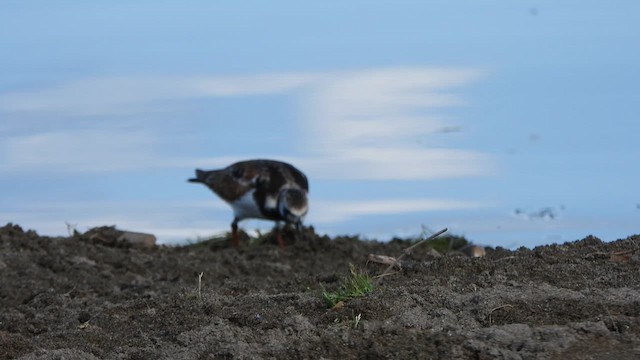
[260, 189]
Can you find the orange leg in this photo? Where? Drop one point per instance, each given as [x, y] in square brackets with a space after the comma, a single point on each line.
[234, 233]
[279, 239]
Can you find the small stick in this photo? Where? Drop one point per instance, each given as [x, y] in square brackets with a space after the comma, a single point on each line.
[408, 250]
[505, 258]
[624, 252]
[356, 320]
[611, 254]
[383, 259]
[385, 274]
[200, 285]
[498, 308]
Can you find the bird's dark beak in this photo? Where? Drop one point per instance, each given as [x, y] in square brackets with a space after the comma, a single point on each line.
[207, 177]
[200, 177]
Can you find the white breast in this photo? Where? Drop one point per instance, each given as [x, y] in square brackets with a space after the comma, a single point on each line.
[246, 207]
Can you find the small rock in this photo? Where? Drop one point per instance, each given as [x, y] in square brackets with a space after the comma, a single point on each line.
[138, 239]
[83, 317]
[473, 251]
[434, 253]
[338, 305]
[82, 260]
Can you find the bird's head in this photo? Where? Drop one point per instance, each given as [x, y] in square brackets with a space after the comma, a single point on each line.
[293, 205]
[229, 183]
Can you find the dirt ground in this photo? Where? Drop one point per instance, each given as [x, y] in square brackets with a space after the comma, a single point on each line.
[79, 298]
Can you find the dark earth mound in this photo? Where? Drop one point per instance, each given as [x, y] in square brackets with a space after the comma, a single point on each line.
[74, 298]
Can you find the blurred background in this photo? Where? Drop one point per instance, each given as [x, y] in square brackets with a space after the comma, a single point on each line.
[511, 123]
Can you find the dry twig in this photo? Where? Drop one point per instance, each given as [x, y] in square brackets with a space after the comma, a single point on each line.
[498, 308]
[621, 256]
[505, 258]
[384, 260]
[393, 262]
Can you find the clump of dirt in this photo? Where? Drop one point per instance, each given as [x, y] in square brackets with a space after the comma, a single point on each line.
[77, 298]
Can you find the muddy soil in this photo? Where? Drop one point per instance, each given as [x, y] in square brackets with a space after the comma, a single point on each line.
[78, 298]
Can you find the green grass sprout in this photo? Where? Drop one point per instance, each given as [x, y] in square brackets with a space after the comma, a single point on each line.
[357, 284]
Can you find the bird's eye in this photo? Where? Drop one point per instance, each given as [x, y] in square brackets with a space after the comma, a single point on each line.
[236, 173]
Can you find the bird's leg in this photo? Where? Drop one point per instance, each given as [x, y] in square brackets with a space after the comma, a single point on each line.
[278, 235]
[299, 230]
[234, 233]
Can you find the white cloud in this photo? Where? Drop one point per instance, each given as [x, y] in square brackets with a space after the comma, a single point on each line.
[361, 92]
[332, 211]
[396, 164]
[132, 95]
[97, 96]
[353, 124]
[79, 151]
[254, 85]
[365, 125]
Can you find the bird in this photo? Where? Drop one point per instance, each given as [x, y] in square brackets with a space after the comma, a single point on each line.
[260, 189]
